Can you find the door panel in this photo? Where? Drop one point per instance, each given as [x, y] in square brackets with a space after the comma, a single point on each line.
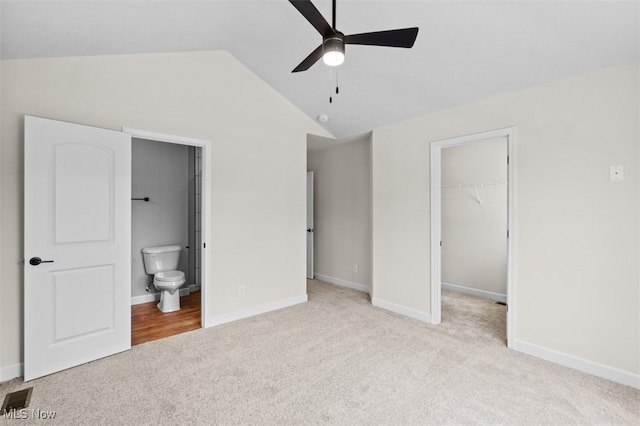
[96, 287]
[78, 215]
[310, 230]
[76, 221]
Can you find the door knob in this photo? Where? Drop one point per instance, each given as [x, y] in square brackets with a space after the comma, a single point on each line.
[35, 261]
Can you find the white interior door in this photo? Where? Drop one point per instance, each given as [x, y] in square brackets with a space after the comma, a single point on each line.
[310, 225]
[77, 221]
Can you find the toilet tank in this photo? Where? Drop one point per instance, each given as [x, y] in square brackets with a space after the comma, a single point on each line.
[161, 258]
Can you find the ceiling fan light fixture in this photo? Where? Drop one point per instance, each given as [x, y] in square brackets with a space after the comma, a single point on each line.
[333, 48]
[333, 58]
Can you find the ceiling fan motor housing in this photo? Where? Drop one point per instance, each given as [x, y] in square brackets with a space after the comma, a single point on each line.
[333, 49]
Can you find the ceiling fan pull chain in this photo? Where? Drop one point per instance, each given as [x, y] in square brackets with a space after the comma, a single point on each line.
[337, 88]
[330, 83]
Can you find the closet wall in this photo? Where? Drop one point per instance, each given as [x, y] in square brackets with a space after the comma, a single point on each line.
[474, 218]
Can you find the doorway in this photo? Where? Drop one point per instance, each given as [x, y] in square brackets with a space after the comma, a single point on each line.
[78, 219]
[436, 219]
[196, 263]
[165, 210]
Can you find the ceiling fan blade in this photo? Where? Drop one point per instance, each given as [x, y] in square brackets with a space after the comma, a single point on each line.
[309, 60]
[314, 16]
[404, 37]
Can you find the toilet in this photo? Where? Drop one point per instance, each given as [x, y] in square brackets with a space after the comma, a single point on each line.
[162, 263]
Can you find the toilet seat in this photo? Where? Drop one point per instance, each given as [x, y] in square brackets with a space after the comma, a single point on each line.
[168, 276]
[169, 283]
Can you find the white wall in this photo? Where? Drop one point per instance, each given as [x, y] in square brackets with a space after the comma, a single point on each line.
[159, 171]
[474, 234]
[258, 175]
[577, 250]
[342, 207]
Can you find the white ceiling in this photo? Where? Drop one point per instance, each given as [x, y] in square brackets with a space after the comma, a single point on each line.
[465, 50]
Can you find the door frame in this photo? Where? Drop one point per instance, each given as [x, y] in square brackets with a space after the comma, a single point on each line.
[436, 221]
[205, 218]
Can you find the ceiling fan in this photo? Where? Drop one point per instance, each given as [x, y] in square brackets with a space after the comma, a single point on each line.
[333, 41]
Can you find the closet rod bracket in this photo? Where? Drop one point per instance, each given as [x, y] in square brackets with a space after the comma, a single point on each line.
[477, 195]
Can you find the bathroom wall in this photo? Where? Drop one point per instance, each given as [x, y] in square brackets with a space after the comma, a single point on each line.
[474, 226]
[159, 171]
[194, 260]
[342, 208]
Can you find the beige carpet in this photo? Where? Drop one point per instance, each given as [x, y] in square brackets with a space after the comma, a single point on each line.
[335, 360]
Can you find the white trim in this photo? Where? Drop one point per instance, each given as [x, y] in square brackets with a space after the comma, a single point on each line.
[402, 310]
[164, 137]
[511, 241]
[436, 234]
[152, 297]
[207, 147]
[474, 292]
[343, 283]
[257, 310]
[436, 221]
[11, 372]
[590, 367]
[145, 298]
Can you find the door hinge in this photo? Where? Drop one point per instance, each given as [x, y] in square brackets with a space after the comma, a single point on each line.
[204, 245]
[507, 159]
[507, 233]
[440, 243]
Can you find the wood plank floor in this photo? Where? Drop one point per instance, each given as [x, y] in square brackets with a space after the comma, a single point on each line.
[149, 323]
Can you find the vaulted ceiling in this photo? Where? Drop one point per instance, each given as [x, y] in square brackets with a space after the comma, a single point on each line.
[465, 50]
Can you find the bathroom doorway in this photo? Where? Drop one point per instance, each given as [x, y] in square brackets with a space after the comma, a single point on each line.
[169, 204]
[471, 192]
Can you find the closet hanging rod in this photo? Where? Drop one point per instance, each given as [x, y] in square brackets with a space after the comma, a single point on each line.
[467, 185]
[145, 199]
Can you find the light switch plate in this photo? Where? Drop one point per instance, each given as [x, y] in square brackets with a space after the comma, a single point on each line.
[616, 173]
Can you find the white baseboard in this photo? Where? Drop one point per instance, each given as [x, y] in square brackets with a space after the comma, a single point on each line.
[590, 367]
[11, 372]
[152, 297]
[250, 312]
[343, 283]
[402, 310]
[474, 292]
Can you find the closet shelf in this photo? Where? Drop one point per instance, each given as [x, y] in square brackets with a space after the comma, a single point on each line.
[475, 187]
[468, 185]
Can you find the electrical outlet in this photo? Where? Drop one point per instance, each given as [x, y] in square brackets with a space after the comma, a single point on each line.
[241, 290]
[355, 268]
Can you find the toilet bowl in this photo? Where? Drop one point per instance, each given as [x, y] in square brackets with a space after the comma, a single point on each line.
[169, 283]
[162, 263]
